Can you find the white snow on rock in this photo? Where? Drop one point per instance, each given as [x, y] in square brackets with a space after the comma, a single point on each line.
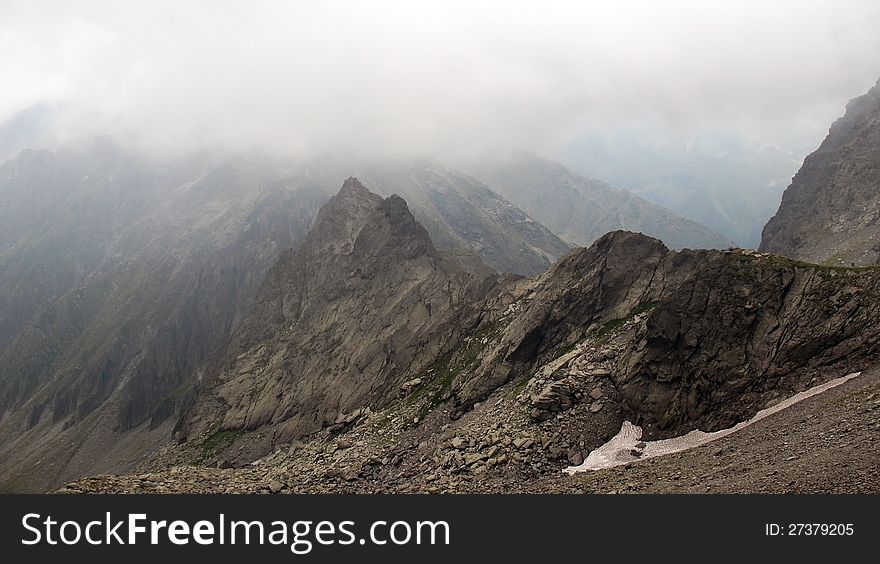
[626, 446]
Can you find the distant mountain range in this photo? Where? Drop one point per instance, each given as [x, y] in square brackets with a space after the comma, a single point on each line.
[580, 210]
[723, 181]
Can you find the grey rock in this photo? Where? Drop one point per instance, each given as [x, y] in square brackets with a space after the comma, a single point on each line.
[275, 486]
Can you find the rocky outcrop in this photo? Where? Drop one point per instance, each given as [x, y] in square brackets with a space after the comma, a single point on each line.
[830, 213]
[460, 213]
[711, 336]
[369, 341]
[825, 444]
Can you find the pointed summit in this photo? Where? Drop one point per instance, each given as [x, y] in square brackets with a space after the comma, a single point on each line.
[353, 191]
[353, 185]
[342, 218]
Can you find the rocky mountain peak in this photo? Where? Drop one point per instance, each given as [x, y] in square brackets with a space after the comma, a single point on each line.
[624, 246]
[356, 220]
[830, 213]
[342, 218]
[353, 187]
[865, 104]
[366, 300]
[400, 228]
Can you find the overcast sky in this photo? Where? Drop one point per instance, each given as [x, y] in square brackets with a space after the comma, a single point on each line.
[420, 77]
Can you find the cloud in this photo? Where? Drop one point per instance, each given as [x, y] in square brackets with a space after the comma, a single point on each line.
[432, 77]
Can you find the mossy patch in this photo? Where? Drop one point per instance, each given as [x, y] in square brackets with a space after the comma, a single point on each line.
[438, 379]
[216, 442]
[786, 262]
[521, 384]
[615, 324]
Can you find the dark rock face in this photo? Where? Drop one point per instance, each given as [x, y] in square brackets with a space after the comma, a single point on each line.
[338, 325]
[830, 213]
[368, 317]
[711, 336]
[516, 379]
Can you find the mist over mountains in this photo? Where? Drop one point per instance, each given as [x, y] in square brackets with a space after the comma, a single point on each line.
[684, 113]
[347, 247]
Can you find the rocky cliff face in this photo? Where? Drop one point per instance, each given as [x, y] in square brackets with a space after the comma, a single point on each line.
[580, 210]
[691, 339]
[367, 333]
[830, 213]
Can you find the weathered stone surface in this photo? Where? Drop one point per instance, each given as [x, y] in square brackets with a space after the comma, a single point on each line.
[124, 277]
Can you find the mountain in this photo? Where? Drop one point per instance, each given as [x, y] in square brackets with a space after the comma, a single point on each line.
[123, 276]
[515, 378]
[29, 127]
[725, 181]
[210, 312]
[581, 210]
[830, 213]
[119, 278]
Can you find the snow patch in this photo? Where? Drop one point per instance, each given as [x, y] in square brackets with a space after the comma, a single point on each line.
[626, 446]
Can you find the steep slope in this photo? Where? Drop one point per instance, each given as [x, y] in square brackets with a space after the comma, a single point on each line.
[711, 336]
[826, 444]
[831, 211]
[364, 301]
[581, 210]
[132, 281]
[59, 213]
